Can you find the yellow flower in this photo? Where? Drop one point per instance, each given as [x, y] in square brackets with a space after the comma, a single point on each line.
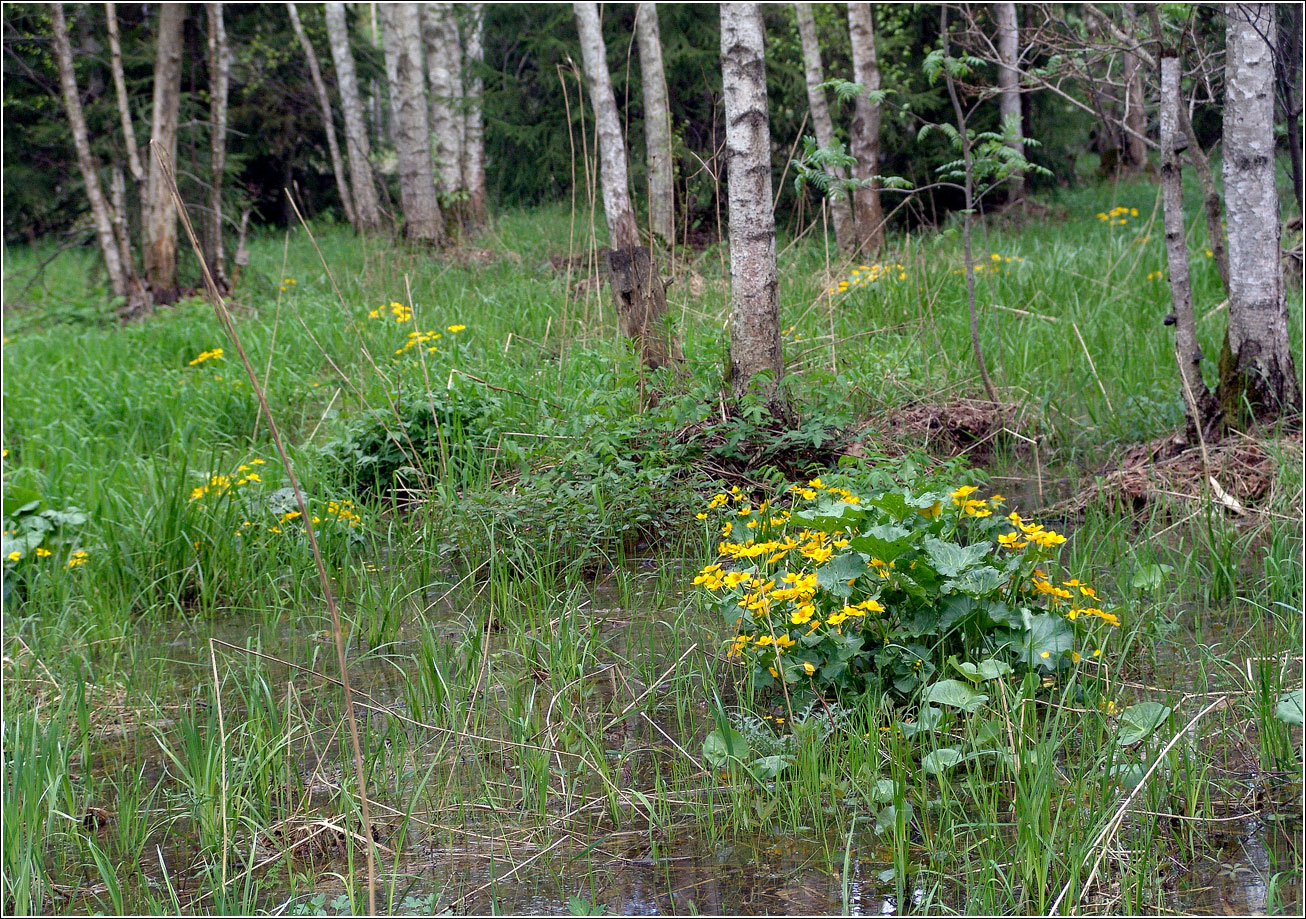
[214, 355]
[456, 328]
[14, 556]
[79, 558]
[809, 667]
[43, 552]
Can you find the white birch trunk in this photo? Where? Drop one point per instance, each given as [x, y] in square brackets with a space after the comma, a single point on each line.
[657, 124]
[754, 286]
[841, 212]
[474, 130]
[1189, 355]
[159, 216]
[120, 88]
[1256, 366]
[623, 232]
[100, 209]
[401, 28]
[219, 71]
[367, 208]
[1008, 36]
[867, 211]
[637, 289]
[1135, 120]
[328, 123]
[444, 68]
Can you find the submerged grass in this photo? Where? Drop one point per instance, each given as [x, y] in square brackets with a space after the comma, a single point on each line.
[534, 677]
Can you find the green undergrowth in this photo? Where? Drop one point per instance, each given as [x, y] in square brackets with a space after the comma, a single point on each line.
[513, 516]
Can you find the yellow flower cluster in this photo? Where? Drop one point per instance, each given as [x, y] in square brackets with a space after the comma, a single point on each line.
[221, 484]
[420, 338]
[869, 274]
[400, 312]
[971, 507]
[287, 283]
[994, 265]
[1026, 533]
[341, 510]
[78, 558]
[214, 355]
[1155, 275]
[1117, 216]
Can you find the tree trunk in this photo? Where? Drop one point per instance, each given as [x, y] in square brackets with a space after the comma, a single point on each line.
[754, 287]
[641, 299]
[1257, 375]
[1290, 65]
[845, 231]
[220, 75]
[1200, 405]
[474, 131]
[100, 209]
[367, 208]
[328, 122]
[401, 27]
[657, 124]
[867, 212]
[120, 87]
[159, 216]
[444, 67]
[1008, 36]
[1135, 117]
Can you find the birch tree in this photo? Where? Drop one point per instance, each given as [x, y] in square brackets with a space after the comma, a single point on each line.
[868, 214]
[1008, 42]
[657, 124]
[1135, 117]
[637, 289]
[220, 77]
[1257, 375]
[444, 70]
[756, 358]
[159, 212]
[401, 28]
[1189, 356]
[474, 130]
[367, 208]
[120, 89]
[841, 213]
[100, 208]
[328, 122]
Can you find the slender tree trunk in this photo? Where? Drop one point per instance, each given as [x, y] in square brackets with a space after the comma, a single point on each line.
[401, 27]
[845, 231]
[640, 297]
[867, 211]
[159, 216]
[120, 88]
[474, 131]
[964, 131]
[1257, 375]
[1008, 35]
[755, 349]
[101, 212]
[1135, 117]
[1290, 66]
[367, 209]
[1196, 397]
[657, 124]
[444, 68]
[328, 123]
[220, 75]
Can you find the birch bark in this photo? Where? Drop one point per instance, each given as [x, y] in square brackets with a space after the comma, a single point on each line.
[328, 122]
[637, 289]
[220, 75]
[1196, 396]
[474, 131]
[1257, 375]
[657, 123]
[120, 88]
[367, 207]
[401, 28]
[444, 70]
[867, 211]
[100, 209]
[1008, 35]
[755, 349]
[841, 213]
[159, 213]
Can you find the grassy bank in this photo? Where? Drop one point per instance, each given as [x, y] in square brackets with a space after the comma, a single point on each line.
[536, 672]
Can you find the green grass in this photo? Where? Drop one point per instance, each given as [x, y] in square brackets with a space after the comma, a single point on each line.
[506, 619]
